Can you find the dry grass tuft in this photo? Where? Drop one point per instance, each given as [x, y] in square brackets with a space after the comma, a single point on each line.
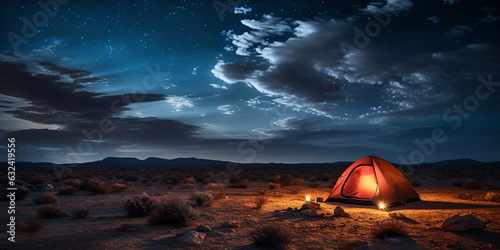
[389, 228]
[51, 211]
[119, 187]
[139, 206]
[271, 235]
[298, 181]
[202, 199]
[80, 213]
[464, 196]
[67, 190]
[98, 187]
[172, 211]
[260, 202]
[491, 196]
[47, 198]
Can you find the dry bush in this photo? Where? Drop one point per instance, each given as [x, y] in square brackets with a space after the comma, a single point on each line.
[139, 206]
[272, 235]
[473, 185]
[188, 186]
[80, 213]
[260, 201]
[274, 186]
[216, 187]
[30, 226]
[458, 183]
[388, 228]
[172, 211]
[75, 183]
[96, 186]
[118, 188]
[67, 190]
[204, 199]
[51, 211]
[236, 182]
[190, 180]
[274, 179]
[491, 196]
[298, 181]
[464, 196]
[47, 198]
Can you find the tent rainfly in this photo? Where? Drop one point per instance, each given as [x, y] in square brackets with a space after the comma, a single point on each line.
[373, 181]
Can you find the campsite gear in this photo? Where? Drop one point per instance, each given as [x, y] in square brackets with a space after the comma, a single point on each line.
[373, 181]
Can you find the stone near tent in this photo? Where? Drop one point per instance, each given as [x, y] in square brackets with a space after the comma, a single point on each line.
[311, 205]
[338, 211]
[203, 228]
[190, 238]
[306, 211]
[464, 223]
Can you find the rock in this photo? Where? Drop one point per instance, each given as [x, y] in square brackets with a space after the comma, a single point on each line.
[339, 211]
[394, 240]
[228, 230]
[289, 209]
[277, 212]
[311, 205]
[306, 211]
[229, 224]
[464, 223]
[128, 227]
[191, 238]
[313, 213]
[203, 228]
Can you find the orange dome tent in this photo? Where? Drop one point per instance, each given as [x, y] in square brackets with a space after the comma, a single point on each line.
[375, 181]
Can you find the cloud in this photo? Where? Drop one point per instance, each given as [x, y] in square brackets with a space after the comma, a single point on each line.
[433, 19]
[460, 30]
[490, 18]
[227, 109]
[450, 1]
[216, 86]
[389, 6]
[179, 102]
[242, 10]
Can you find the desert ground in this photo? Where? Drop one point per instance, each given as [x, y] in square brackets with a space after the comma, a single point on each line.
[445, 192]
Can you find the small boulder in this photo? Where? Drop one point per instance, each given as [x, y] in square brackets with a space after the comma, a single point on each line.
[191, 238]
[203, 228]
[229, 224]
[313, 213]
[464, 223]
[289, 209]
[394, 240]
[306, 211]
[311, 205]
[339, 211]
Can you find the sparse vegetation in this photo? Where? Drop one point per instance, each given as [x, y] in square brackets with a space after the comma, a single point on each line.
[80, 213]
[298, 181]
[51, 211]
[260, 201]
[96, 186]
[172, 211]
[271, 235]
[47, 198]
[491, 196]
[216, 187]
[75, 183]
[464, 196]
[119, 188]
[67, 190]
[139, 206]
[30, 225]
[389, 228]
[236, 182]
[274, 186]
[203, 199]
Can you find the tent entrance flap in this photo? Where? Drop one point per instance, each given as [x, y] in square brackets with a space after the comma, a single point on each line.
[361, 183]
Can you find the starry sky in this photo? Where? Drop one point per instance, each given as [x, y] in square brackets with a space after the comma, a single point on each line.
[251, 81]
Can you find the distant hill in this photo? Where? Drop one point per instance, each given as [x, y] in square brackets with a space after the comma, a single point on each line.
[154, 161]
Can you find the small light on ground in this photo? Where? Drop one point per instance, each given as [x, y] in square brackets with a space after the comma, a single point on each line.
[381, 205]
[308, 198]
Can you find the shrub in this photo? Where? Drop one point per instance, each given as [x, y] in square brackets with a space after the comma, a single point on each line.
[272, 235]
[492, 196]
[274, 179]
[118, 187]
[80, 213]
[260, 201]
[464, 196]
[172, 211]
[274, 186]
[47, 198]
[203, 199]
[473, 185]
[51, 211]
[98, 187]
[30, 225]
[238, 183]
[67, 190]
[217, 187]
[139, 206]
[75, 183]
[298, 181]
[190, 180]
[457, 183]
[388, 228]
[188, 186]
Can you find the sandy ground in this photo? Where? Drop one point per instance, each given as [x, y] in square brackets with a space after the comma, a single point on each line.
[100, 229]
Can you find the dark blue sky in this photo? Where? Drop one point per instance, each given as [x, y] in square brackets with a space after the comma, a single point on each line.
[260, 81]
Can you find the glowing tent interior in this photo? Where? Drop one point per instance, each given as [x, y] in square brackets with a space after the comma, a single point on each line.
[374, 181]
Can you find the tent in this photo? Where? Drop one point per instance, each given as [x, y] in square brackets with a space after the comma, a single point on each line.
[373, 181]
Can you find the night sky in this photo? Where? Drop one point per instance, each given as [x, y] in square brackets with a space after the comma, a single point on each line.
[260, 81]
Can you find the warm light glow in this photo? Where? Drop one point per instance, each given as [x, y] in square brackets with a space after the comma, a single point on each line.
[381, 205]
[308, 198]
